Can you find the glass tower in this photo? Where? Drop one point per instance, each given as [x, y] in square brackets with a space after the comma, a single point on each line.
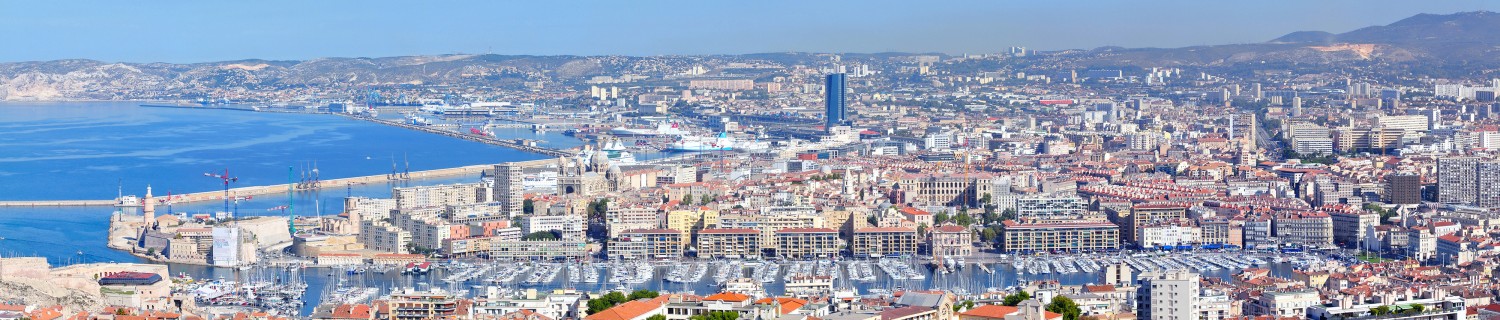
[833, 100]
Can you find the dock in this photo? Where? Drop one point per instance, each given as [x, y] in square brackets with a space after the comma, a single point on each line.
[476, 138]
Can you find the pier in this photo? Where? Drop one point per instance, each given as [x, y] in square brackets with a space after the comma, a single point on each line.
[476, 138]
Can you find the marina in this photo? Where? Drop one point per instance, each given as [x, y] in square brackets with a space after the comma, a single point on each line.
[866, 277]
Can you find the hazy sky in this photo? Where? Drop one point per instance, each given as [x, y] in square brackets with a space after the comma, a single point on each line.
[198, 31]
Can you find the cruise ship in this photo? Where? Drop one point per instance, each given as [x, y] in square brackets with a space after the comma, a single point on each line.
[545, 180]
[616, 152]
[722, 142]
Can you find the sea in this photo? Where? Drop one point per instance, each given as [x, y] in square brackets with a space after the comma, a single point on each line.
[98, 150]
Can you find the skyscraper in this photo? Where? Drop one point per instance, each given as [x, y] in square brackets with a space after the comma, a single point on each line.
[1403, 188]
[833, 101]
[508, 189]
[1469, 181]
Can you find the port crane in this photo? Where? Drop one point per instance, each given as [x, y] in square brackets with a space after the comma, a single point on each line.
[227, 179]
[310, 179]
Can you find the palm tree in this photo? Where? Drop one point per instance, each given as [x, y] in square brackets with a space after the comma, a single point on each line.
[1380, 311]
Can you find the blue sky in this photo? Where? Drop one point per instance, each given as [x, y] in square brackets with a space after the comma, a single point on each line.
[199, 31]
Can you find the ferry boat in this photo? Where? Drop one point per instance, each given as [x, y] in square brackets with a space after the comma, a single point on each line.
[418, 120]
[544, 180]
[664, 129]
[486, 132]
[722, 142]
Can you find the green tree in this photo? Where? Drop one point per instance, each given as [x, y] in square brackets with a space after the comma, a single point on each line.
[687, 199]
[963, 220]
[1066, 307]
[1380, 311]
[966, 304]
[1016, 298]
[990, 216]
[922, 230]
[988, 234]
[657, 317]
[608, 300]
[705, 199]
[1417, 308]
[528, 206]
[940, 217]
[1008, 214]
[540, 235]
[598, 208]
[642, 294]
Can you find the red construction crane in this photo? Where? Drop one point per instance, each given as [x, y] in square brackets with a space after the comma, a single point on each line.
[227, 179]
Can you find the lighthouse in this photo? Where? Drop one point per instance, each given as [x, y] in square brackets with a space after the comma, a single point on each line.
[149, 209]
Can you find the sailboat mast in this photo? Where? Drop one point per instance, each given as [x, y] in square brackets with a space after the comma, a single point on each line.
[291, 224]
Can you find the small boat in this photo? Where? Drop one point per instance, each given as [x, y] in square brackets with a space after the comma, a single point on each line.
[416, 268]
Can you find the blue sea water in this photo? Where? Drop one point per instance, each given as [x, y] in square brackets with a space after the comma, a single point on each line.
[86, 150]
[81, 150]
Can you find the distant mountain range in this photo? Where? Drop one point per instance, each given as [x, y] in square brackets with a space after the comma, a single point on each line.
[1468, 40]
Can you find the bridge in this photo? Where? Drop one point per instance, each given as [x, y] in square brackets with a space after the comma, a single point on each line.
[476, 138]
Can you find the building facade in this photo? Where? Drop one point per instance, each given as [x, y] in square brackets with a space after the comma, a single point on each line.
[881, 242]
[808, 243]
[1059, 237]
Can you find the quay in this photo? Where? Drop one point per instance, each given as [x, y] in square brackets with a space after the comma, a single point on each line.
[218, 195]
[277, 189]
[57, 203]
[476, 138]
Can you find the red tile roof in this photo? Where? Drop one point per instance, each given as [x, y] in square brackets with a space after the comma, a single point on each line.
[727, 296]
[990, 311]
[629, 309]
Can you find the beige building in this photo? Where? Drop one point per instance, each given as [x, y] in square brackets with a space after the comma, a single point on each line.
[619, 219]
[881, 242]
[808, 243]
[539, 250]
[1059, 237]
[768, 225]
[440, 195]
[688, 222]
[951, 240]
[1312, 229]
[729, 243]
[1223, 231]
[1150, 213]
[946, 189]
[647, 244]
